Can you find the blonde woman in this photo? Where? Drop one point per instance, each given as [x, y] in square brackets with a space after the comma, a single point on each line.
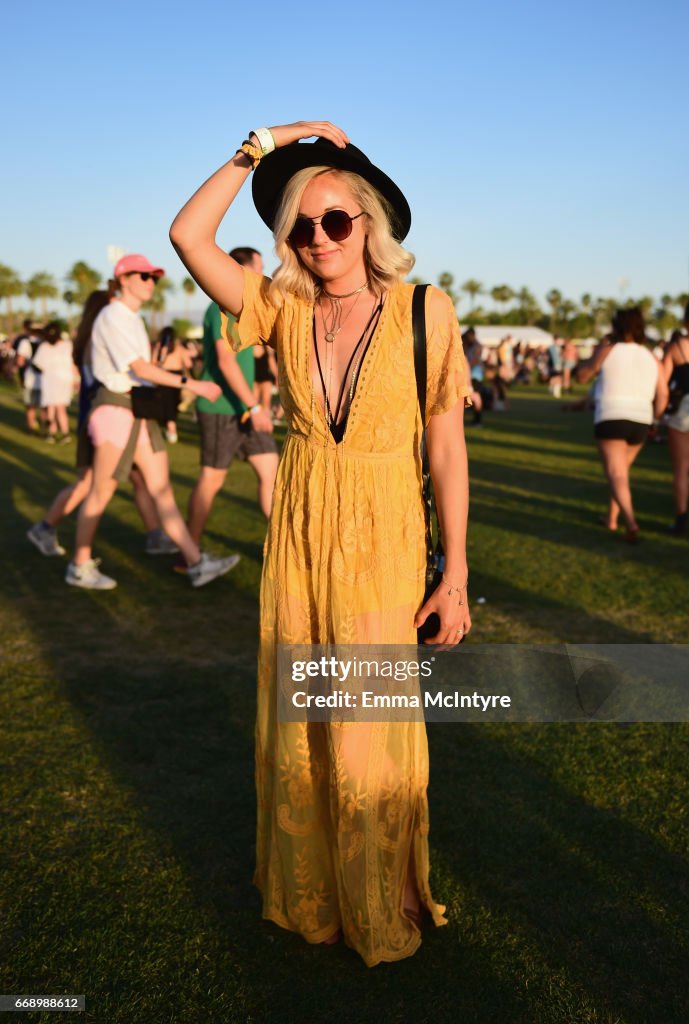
[342, 843]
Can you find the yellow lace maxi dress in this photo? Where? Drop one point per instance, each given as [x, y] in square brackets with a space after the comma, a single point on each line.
[342, 808]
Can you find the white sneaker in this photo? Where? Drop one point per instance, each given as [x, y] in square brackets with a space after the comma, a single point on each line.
[88, 576]
[209, 568]
[45, 539]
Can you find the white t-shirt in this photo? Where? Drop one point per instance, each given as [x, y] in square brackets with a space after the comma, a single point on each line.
[55, 360]
[627, 384]
[118, 339]
[57, 372]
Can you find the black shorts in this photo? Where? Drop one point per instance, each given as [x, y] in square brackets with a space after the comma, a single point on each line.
[621, 430]
[224, 439]
[262, 369]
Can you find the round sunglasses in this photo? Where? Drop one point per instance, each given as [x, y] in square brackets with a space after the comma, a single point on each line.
[337, 225]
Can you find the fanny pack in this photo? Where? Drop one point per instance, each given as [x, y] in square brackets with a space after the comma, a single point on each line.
[148, 404]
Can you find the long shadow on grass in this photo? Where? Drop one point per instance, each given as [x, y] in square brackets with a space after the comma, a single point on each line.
[533, 515]
[547, 481]
[564, 622]
[509, 456]
[39, 481]
[176, 735]
[541, 442]
[576, 880]
[178, 738]
[33, 470]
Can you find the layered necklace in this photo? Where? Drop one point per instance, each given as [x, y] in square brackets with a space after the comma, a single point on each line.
[336, 321]
[331, 331]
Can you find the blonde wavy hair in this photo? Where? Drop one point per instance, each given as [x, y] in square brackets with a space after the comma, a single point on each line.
[387, 262]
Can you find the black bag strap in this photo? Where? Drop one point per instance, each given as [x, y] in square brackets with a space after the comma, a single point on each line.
[418, 317]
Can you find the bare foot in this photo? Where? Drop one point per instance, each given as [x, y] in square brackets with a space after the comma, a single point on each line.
[337, 937]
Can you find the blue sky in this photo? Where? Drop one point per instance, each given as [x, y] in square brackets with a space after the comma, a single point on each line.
[538, 144]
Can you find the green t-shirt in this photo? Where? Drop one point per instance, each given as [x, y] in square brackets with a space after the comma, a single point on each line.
[228, 404]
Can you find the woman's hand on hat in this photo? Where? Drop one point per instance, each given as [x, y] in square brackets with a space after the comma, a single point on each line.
[286, 133]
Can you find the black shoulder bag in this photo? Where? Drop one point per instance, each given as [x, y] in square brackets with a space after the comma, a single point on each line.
[435, 558]
[148, 403]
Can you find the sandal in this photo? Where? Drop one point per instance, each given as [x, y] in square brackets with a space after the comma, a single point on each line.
[632, 536]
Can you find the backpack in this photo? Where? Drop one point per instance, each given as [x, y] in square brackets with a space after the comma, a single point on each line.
[35, 342]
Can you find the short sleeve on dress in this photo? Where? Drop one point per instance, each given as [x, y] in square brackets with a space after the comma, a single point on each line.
[255, 323]
[447, 368]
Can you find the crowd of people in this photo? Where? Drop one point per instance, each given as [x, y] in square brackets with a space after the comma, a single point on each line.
[639, 386]
[495, 368]
[647, 380]
[369, 365]
[130, 390]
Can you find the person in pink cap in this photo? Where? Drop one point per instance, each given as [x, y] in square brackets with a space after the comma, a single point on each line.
[124, 430]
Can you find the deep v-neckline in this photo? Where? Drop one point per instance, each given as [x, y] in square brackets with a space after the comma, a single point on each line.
[371, 347]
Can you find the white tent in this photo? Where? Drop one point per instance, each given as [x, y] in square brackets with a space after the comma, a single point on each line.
[491, 336]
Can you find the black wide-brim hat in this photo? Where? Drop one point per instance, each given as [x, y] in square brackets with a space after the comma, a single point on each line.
[276, 169]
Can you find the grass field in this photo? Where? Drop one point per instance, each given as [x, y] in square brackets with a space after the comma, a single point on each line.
[127, 811]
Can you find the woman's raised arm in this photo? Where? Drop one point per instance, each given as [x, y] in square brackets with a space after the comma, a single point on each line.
[194, 228]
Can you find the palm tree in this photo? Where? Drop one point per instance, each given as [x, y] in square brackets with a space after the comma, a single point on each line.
[502, 293]
[528, 307]
[554, 299]
[82, 280]
[445, 281]
[586, 306]
[645, 304]
[567, 311]
[156, 303]
[70, 298]
[472, 288]
[603, 312]
[662, 319]
[10, 285]
[188, 287]
[41, 286]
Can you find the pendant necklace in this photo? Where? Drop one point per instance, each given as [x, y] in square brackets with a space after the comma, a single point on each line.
[337, 323]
